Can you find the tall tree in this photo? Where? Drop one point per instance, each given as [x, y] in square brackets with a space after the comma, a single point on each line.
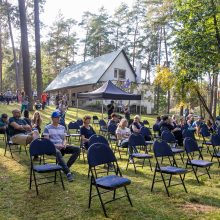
[1, 53]
[38, 49]
[25, 53]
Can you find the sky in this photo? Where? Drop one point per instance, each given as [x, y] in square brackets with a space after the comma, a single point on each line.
[75, 8]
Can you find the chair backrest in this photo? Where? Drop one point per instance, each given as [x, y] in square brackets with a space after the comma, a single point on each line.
[136, 140]
[188, 133]
[42, 146]
[145, 132]
[102, 123]
[164, 128]
[205, 131]
[162, 149]
[190, 145]
[97, 139]
[73, 125]
[95, 117]
[168, 137]
[111, 129]
[156, 128]
[215, 139]
[80, 122]
[99, 153]
[146, 122]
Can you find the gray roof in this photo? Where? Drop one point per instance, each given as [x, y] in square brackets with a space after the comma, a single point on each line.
[85, 73]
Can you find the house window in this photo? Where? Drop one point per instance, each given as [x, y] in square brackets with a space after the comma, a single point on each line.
[120, 74]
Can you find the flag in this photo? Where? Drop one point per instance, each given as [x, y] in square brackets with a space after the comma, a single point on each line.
[127, 83]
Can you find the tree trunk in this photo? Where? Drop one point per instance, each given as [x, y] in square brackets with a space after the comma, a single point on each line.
[1, 54]
[215, 94]
[134, 44]
[13, 47]
[25, 53]
[38, 49]
[211, 81]
[85, 46]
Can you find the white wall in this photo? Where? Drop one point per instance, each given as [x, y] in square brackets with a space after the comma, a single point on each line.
[120, 63]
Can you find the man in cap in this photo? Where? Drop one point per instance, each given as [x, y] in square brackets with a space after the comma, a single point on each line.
[56, 133]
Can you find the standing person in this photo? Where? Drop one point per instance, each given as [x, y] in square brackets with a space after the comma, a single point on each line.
[8, 96]
[48, 99]
[57, 98]
[86, 131]
[24, 102]
[36, 121]
[127, 113]
[1, 97]
[56, 133]
[110, 109]
[43, 100]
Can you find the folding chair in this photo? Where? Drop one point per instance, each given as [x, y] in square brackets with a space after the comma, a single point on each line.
[73, 130]
[111, 134]
[97, 139]
[137, 141]
[13, 147]
[192, 151]
[79, 121]
[102, 127]
[204, 131]
[99, 154]
[168, 137]
[215, 139]
[162, 150]
[146, 133]
[41, 147]
[188, 133]
[95, 120]
[146, 122]
[156, 130]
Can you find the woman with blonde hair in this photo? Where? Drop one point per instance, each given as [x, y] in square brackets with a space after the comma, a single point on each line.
[36, 121]
[123, 133]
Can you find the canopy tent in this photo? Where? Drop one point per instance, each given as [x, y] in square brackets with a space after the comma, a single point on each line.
[108, 91]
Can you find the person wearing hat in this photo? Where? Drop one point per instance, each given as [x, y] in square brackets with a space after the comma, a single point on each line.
[56, 133]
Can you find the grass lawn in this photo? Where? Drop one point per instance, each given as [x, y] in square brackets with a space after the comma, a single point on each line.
[18, 202]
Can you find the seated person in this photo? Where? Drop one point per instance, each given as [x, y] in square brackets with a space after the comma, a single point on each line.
[197, 124]
[3, 123]
[210, 125]
[123, 133]
[113, 120]
[36, 121]
[166, 122]
[26, 117]
[136, 126]
[56, 133]
[19, 131]
[86, 131]
[38, 105]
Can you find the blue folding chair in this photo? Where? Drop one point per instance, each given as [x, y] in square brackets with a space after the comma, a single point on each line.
[168, 137]
[146, 122]
[146, 133]
[97, 139]
[73, 130]
[193, 151]
[41, 147]
[162, 150]
[204, 131]
[156, 130]
[188, 133]
[215, 139]
[137, 141]
[102, 127]
[79, 121]
[95, 120]
[99, 154]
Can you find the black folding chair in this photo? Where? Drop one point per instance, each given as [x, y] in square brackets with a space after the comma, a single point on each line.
[193, 151]
[73, 131]
[135, 143]
[216, 147]
[162, 150]
[99, 154]
[41, 147]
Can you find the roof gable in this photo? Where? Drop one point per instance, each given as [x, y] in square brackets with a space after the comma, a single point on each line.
[88, 72]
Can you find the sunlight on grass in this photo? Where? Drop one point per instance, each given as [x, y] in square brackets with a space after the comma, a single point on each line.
[18, 202]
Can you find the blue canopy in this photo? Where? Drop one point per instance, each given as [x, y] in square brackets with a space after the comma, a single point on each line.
[109, 91]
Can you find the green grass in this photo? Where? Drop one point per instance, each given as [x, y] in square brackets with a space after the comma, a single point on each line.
[18, 202]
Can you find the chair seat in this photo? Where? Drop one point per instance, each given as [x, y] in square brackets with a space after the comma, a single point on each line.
[216, 155]
[177, 150]
[74, 135]
[172, 170]
[46, 168]
[104, 129]
[149, 142]
[200, 163]
[139, 155]
[112, 182]
[207, 142]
